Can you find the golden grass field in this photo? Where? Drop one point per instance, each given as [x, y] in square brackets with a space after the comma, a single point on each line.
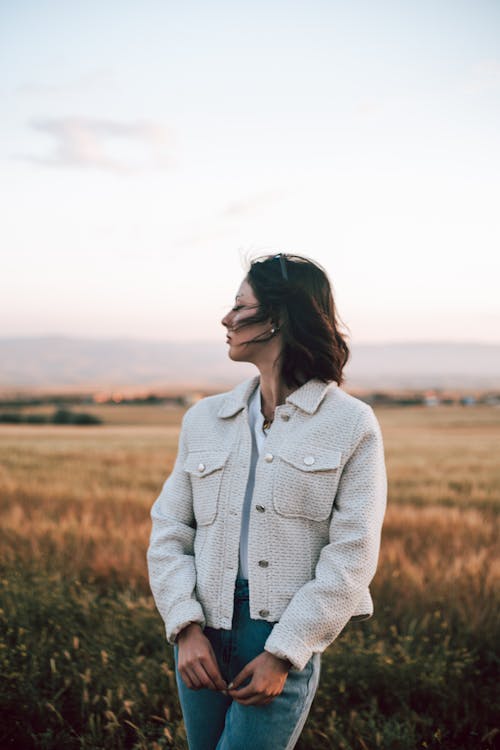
[75, 507]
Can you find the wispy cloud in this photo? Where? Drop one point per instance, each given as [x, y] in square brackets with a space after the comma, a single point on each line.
[86, 142]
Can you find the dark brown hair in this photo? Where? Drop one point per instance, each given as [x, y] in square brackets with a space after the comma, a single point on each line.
[295, 293]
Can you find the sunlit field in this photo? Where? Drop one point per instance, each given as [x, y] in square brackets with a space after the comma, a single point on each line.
[83, 659]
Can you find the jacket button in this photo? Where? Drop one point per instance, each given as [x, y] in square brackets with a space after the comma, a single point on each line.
[264, 612]
[263, 563]
[260, 508]
[268, 457]
[309, 460]
[201, 467]
[285, 417]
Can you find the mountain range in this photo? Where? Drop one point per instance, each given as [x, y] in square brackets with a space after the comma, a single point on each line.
[59, 362]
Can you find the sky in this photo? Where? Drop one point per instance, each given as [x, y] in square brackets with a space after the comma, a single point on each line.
[149, 149]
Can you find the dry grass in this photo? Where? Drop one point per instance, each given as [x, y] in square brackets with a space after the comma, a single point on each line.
[74, 505]
[445, 456]
[80, 497]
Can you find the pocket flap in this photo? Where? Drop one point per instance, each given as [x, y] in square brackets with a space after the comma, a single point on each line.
[203, 463]
[312, 459]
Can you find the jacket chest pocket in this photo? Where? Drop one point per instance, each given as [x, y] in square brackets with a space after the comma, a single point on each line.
[306, 483]
[205, 469]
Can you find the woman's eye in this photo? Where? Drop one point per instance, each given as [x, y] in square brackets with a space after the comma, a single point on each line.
[238, 307]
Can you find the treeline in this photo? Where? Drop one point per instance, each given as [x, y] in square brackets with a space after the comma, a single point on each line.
[71, 400]
[59, 416]
[62, 403]
[430, 398]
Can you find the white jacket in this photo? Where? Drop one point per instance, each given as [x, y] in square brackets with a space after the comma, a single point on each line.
[314, 529]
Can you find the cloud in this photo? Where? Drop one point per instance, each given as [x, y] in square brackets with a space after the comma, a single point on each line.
[86, 142]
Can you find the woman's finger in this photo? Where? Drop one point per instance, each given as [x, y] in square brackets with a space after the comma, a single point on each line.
[192, 679]
[257, 699]
[185, 678]
[243, 693]
[245, 673]
[212, 670]
[203, 677]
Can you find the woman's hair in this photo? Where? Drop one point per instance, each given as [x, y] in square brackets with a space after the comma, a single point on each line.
[295, 293]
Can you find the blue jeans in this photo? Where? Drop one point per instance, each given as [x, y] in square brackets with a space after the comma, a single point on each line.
[215, 722]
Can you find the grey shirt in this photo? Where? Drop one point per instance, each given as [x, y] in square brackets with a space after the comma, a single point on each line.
[256, 421]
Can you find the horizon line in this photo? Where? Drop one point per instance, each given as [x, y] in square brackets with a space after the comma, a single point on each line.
[141, 339]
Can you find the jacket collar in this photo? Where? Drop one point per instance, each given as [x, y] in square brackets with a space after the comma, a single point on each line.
[237, 399]
[310, 395]
[307, 398]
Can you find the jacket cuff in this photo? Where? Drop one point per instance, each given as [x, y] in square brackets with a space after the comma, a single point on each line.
[285, 644]
[181, 615]
[359, 618]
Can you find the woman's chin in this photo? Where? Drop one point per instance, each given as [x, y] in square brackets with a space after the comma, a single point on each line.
[234, 354]
[237, 354]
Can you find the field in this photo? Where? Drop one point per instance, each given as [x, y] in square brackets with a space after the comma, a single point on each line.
[83, 659]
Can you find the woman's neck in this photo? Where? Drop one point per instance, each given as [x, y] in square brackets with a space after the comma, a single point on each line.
[273, 390]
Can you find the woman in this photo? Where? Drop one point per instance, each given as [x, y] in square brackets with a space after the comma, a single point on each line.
[266, 534]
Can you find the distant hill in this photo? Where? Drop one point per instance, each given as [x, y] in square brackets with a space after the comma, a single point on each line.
[425, 365]
[80, 363]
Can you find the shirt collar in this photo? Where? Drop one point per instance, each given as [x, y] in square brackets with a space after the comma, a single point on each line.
[307, 398]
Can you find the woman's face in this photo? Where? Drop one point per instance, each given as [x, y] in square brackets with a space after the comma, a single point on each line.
[245, 306]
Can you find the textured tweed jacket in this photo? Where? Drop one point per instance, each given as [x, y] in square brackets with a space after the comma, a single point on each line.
[315, 523]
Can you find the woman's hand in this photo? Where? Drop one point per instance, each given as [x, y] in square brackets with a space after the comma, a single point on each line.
[196, 660]
[268, 676]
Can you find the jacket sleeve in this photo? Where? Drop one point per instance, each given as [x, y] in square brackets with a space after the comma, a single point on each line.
[321, 608]
[172, 572]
